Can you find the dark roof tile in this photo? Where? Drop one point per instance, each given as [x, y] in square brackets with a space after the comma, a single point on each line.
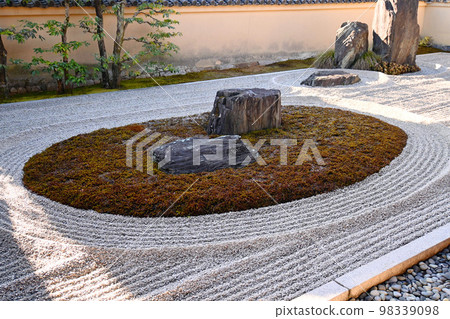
[179, 3]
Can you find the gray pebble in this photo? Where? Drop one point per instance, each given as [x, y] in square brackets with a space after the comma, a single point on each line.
[427, 293]
[382, 287]
[423, 266]
[393, 279]
[396, 287]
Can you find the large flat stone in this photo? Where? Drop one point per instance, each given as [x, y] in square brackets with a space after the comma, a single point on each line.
[194, 155]
[331, 78]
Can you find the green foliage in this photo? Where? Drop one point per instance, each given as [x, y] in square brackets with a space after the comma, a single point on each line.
[65, 71]
[71, 72]
[426, 42]
[155, 44]
[27, 30]
[367, 61]
[325, 60]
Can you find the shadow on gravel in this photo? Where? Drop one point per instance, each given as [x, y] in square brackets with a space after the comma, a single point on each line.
[17, 278]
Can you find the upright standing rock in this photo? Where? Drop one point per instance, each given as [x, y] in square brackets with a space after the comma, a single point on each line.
[396, 31]
[238, 111]
[352, 41]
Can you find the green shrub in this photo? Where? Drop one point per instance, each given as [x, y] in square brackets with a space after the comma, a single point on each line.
[426, 42]
[325, 60]
[367, 61]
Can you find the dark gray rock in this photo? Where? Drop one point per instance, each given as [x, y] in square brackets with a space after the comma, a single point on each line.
[239, 111]
[331, 78]
[396, 31]
[352, 41]
[194, 155]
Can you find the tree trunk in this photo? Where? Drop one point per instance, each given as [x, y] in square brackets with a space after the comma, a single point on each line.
[63, 86]
[3, 79]
[117, 49]
[101, 43]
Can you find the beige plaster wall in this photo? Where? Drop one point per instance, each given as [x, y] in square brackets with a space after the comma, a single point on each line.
[437, 23]
[234, 33]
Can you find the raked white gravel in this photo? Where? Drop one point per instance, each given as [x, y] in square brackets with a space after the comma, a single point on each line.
[52, 251]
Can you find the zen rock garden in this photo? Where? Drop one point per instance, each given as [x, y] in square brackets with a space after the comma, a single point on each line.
[235, 111]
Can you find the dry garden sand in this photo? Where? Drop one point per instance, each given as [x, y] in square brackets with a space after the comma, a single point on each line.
[52, 251]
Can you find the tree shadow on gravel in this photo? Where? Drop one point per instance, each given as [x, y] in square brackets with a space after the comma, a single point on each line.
[18, 280]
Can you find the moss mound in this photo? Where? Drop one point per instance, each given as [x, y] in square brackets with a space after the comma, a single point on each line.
[393, 68]
[89, 171]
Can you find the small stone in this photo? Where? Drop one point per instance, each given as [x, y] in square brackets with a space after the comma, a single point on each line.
[21, 90]
[397, 294]
[393, 279]
[13, 90]
[377, 298]
[396, 287]
[382, 287]
[401, 278]
[427, 293]
[410, 271]
[423, 266]
[430, 280]
[436, 296]
[374, 293]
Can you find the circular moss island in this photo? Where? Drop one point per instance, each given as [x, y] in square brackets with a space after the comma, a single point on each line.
[89, 171]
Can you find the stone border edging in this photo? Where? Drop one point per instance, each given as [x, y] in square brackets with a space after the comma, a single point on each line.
[355, 282]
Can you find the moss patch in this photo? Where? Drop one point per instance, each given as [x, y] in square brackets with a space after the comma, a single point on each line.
[89, 171]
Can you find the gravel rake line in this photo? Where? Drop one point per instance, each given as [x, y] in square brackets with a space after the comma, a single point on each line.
[267, 253]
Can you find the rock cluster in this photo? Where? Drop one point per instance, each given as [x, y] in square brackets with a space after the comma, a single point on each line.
[239, 111]
[428, 280]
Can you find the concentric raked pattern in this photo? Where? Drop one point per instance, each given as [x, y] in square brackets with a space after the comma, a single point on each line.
[51, 251]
